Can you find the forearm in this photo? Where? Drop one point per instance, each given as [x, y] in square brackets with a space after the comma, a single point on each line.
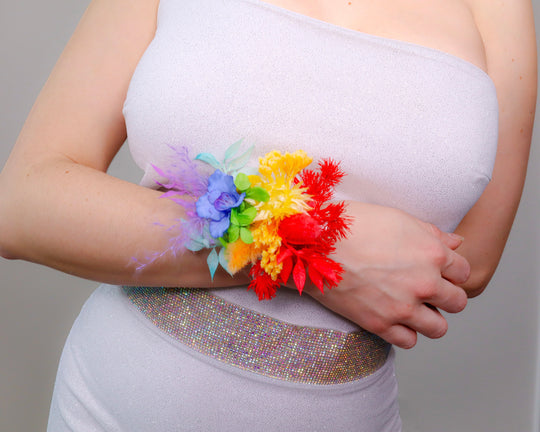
[84, 222]
[483, 248]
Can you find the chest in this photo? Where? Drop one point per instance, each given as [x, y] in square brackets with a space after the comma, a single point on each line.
[415, 128]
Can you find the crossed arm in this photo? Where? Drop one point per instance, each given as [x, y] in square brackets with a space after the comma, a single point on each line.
[61, 209]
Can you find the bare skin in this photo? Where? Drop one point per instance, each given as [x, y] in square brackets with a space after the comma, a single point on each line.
[59, 208]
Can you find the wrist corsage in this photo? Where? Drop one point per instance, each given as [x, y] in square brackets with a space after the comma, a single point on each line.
[280, 220]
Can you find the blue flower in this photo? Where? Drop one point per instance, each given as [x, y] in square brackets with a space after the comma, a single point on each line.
[217, 202]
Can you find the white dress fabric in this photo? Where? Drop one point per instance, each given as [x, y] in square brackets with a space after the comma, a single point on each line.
[414, 128]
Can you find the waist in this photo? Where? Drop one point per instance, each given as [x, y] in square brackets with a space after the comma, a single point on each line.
[255, 342]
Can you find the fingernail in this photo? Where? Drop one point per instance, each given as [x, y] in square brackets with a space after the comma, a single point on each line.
[456, 236]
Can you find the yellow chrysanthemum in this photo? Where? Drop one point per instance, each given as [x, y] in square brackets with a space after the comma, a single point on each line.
[277, 173]
[286, 167]
[267, 242]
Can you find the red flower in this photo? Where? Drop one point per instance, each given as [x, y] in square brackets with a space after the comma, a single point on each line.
[262, 283]
[301, 229]
[321, 184]
[308, 238]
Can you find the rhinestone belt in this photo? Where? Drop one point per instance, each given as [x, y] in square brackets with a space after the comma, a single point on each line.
[258, 343]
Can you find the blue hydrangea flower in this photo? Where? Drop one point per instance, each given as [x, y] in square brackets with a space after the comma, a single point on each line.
[217, 202]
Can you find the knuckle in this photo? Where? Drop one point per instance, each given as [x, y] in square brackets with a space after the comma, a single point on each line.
[439, 256]
[379, 326]
[403, 312]
[426, 289]
[434, 230]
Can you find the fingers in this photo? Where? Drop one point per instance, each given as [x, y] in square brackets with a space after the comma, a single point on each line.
[443, 295]
[450, 240]
[424, 319]
[429, 322]
[400, 335]
[456, 268]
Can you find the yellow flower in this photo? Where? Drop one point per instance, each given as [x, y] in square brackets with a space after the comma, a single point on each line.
[268, 243]
[277, 173]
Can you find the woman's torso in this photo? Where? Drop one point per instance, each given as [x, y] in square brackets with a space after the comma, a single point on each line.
[414, 127]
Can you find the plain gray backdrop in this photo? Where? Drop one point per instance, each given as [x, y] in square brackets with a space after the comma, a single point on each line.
[481, 377]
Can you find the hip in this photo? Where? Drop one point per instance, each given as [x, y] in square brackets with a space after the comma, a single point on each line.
[127, 372]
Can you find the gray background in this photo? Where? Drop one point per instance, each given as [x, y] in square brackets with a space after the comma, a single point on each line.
[481, 377]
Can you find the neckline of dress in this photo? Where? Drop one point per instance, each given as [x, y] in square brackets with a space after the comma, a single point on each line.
[417, 48]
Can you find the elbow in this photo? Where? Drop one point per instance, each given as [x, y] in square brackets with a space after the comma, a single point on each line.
[10, 244]
[6, 254]
[7, 251]
[9, 248]
[475, 291]
[477, 282]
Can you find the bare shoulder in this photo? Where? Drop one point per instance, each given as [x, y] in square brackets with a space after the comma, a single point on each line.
[126, 25]
[508, 33]
[507, 30]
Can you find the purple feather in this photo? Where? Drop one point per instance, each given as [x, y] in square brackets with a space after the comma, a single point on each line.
[182, 175]
[183, 183]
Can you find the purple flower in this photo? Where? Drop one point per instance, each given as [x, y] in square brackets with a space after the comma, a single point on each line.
[217, 202]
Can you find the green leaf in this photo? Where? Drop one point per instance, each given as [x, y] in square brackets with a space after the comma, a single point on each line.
[242, 182]
[223, 242]
[237, 164]
[250, 211]
[234, 217]
[234, 233]
[246, 217]
[246, 235]
[257, 193]
[232, 150]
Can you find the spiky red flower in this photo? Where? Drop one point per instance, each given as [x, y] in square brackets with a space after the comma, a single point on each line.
[321, 184]
[262, 283]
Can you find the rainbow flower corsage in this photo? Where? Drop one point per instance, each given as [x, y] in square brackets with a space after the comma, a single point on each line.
[279, 220]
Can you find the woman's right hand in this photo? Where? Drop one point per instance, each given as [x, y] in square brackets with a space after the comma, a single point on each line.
[398, 272]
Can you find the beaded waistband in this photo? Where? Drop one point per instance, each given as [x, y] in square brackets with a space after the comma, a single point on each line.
[258, 343]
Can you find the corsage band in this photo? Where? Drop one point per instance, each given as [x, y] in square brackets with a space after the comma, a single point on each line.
[258, 343]
[282, 220]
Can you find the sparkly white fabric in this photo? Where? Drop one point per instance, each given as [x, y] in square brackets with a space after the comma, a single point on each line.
[414, 128]
[120, 373]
